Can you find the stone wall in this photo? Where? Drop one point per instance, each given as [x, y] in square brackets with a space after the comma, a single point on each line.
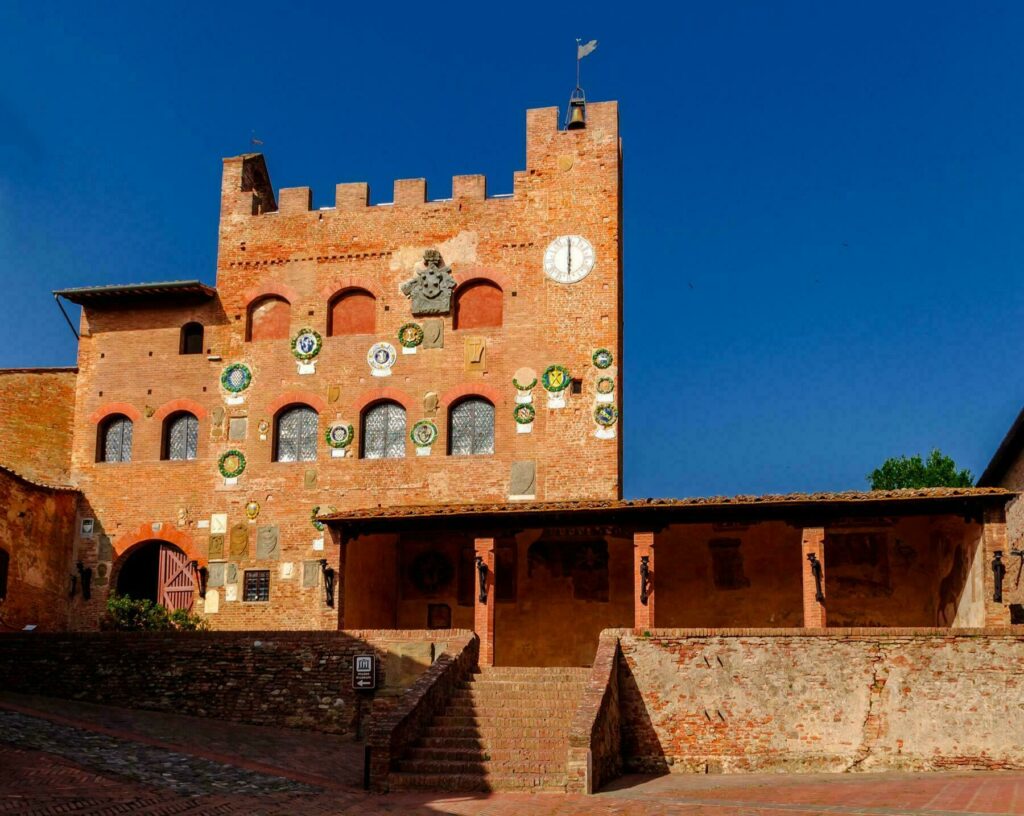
[837, 700]
[37, 527]
[293, 679]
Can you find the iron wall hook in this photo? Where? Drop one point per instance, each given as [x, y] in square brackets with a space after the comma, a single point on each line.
[481, 571]
[645, 578]
[819, 594]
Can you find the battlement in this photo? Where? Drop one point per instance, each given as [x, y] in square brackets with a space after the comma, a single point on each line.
[246, 189]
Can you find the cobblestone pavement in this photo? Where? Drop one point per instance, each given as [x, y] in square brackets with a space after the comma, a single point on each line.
[62, 757]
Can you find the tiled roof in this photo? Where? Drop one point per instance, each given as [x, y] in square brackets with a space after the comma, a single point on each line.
[191, 290]
[59, 488]
[803, 500]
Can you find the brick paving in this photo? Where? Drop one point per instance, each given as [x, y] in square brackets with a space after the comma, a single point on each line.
[63, 757]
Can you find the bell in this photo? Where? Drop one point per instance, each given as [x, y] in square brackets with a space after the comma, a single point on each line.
[577, 118]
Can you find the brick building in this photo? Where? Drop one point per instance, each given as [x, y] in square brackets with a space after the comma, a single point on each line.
[354, 356]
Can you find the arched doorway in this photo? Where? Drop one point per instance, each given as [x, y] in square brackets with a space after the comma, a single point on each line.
[159, 572]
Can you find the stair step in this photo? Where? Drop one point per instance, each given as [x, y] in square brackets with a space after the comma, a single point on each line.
[496, 719]
[402, 781]
[444, 767]
[489, 735]
[476, 742]
[551, 753]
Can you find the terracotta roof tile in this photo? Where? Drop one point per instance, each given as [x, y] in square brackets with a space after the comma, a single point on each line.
[802, 499]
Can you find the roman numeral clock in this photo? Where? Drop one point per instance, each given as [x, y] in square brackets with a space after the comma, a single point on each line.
[569, 259]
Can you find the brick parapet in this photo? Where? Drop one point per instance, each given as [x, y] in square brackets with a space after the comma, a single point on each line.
[595, 744]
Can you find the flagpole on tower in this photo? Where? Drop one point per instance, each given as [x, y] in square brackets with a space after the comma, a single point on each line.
[576, 115]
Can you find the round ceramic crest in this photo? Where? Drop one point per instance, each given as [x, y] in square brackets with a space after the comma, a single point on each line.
[381, 356]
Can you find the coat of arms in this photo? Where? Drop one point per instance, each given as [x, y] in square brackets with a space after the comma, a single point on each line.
[431, 290]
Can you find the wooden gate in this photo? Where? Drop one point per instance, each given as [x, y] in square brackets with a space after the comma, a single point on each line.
[175, 580]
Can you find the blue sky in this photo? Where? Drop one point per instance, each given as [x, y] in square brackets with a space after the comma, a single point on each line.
[823, 201]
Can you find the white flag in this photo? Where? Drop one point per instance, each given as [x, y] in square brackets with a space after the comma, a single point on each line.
[583, 50]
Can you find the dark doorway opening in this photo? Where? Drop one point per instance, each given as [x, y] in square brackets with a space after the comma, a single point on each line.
[140, 573]
[158, 572]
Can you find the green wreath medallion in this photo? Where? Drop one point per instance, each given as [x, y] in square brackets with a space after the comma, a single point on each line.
[236, 377]
[524, 413]
[556, 378]
[231, 463]
[312, 517]
[528, 387]
[423, 433]
[606, 415]
[605, 385]
[410, 335]
[602, 358]
[307, 344]
[339, 435]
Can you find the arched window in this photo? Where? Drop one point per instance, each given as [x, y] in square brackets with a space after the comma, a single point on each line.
[5, 562]
[384, 431]
[181, 436]
[115, 442]
[269, 319]
[191, 339]
[471, 427]
[296, 434]
[478, 305]
[353, 311]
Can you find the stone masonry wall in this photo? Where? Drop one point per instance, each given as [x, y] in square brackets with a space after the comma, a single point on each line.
[129, 363]
[836, 700]
[300, 680]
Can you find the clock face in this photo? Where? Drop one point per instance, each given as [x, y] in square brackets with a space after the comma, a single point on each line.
[568, 259]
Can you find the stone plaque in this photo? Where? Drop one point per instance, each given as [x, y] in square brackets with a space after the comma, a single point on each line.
[239, 539]
[216, 546]
[231, 574]
[431, 290]
[215, 574]
[102, 573]
[219, 523]
[212, 605]
[309, 480]
[231, 592]
[287, 569]
[237, 428]
[433, 334]
[310, 573]
[475, 353]
[333, 393]
[218, 417]
[105, 550]
[430, 400]
[266, 542]
[523, 482]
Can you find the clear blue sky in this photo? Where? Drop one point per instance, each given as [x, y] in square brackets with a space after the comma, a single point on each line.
[823, 201]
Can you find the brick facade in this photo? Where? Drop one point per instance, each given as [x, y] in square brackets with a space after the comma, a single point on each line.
[282, 267]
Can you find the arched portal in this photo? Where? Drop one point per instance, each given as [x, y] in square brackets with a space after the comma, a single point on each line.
[157, 571]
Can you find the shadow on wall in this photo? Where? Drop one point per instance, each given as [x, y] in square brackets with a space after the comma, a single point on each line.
[642, 752]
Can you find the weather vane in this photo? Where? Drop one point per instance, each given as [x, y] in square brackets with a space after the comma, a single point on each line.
[576, 115]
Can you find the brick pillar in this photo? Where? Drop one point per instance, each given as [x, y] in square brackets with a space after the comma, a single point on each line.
[993, 540]
[483, 613]
[643, 614]
[813, 541]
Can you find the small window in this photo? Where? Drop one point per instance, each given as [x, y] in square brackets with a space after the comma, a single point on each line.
[384, 431]
[471, 428]
[181, 436]
[727, 564]
[257, 585]
[115, 443]
[5, 561]
[478, 304]
[354, 311]
[269, 319]
[191, 339]
[296, 435]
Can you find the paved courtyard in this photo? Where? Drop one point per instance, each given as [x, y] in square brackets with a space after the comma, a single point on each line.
[62, 757]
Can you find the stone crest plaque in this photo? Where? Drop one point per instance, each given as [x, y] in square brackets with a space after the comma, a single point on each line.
[433, 334]
[217, 545]
[431, 290]
[310, 573]
[215, 575]
[239, 540]
[523, 482]
[266, 542]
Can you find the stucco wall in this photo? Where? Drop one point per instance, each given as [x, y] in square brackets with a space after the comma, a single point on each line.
[845, 700]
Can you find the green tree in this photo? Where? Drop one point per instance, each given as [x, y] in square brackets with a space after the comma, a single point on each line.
[912, 471]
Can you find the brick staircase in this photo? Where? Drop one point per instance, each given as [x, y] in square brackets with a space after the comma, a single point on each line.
[505, 729]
